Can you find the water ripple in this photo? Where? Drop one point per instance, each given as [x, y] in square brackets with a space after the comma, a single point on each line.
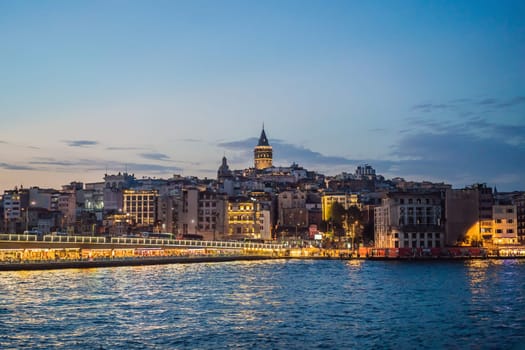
[268, 305]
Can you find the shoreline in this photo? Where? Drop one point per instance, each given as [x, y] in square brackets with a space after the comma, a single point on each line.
[88, 264]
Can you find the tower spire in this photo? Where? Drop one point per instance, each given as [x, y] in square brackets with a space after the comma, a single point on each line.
[263, 140]
[263, 152]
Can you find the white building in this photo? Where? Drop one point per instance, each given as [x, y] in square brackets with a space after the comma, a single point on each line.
[409, 220]
[505, 224]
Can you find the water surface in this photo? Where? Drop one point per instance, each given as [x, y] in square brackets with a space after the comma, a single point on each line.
[281, 304]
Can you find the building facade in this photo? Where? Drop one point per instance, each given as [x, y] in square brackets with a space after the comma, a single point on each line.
[519, 201]
[248, 219]
[409, 220]
[468, 215]
[141, 205]
[505, 227]
[345, 199]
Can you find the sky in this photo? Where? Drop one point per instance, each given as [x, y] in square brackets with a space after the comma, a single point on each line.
[424, 90]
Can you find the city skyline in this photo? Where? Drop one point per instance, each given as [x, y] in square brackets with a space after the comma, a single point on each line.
[420, 91]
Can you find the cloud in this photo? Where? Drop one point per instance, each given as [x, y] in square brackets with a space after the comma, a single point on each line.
[237, 145]
[487, 101]
[378, 130]
[468, 105]
[512, 102]
[302, 155]
[502, 103]
[431, 107]
[123, 148]
[465, 141]
[150, 168]
[98, 165]
[191, 140]
[286, 153]
[15, 167]
[154, 156]
[80, 143]
[53, 162]
[461, 159]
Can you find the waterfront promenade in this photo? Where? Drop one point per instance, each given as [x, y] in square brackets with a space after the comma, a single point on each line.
[26, 252]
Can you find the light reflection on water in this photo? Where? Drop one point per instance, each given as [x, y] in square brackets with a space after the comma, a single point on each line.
[478, 304]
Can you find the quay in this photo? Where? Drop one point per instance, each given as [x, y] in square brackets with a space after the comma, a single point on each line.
[96, 263]
[27, 252]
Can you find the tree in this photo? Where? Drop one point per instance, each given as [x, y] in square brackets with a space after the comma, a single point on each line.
[352, 222]
[337, 213]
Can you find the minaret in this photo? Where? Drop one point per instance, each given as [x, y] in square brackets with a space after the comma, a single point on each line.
[263, 153]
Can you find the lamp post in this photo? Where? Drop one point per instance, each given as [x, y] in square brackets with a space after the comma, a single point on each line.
[27, 219]
[27, 214]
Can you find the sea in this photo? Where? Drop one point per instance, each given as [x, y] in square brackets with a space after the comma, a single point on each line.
[276, 304]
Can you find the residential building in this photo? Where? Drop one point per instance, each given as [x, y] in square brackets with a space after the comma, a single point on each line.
[519, 202]
[188, 211]
[141, 205]
[211, 214]
[505, 227]
[248, 219]
[12, 211]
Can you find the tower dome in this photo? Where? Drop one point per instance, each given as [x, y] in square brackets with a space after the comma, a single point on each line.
[224, 170]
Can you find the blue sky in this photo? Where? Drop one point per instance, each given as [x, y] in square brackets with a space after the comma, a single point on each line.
[422, 90]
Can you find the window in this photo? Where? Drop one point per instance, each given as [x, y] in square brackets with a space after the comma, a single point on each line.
[510, 221]
[510, 230]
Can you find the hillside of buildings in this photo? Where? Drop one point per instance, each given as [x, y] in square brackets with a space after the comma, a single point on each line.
[266, 202]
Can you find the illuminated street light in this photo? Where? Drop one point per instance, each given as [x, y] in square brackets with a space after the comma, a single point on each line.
[27, 215]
